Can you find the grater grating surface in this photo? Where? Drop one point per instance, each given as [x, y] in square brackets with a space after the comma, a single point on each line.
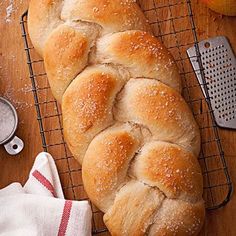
[219, 65]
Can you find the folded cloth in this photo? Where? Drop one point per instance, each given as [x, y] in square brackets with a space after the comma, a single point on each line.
[39, 208]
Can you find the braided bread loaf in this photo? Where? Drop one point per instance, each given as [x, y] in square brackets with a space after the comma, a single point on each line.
[123, 115]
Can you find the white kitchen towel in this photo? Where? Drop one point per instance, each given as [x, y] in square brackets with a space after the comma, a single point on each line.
[39, 208]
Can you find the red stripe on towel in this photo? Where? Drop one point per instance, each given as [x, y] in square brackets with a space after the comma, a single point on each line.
[65, 218]
[44, 181]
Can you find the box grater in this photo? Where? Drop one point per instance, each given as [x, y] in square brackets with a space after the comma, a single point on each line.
[219, 64]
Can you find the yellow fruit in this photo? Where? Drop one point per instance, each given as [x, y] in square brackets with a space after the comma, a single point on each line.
[225, 7]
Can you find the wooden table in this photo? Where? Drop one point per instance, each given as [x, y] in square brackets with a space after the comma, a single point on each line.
[15, 85]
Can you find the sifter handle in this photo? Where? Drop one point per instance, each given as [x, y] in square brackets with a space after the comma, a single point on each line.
[15, 146]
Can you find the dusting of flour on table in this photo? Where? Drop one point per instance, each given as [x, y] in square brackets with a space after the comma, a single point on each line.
[9, 11]
[11, 7]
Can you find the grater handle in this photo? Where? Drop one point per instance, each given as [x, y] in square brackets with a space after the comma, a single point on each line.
[15, 146]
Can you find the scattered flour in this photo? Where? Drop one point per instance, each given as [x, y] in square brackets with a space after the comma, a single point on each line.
[17, 96]
[11, 7]
[9, 11]
[19, 102]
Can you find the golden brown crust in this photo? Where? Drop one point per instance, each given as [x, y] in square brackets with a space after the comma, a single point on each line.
[162, 110]
[70, 55]
[44, 16]
[133, 210]
[87, 106]
[172, 169]
[113, 16]
[142, 54]
[106, 163]
[179, 218]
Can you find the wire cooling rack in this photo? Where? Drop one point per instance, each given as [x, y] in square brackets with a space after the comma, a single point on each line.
[173, 23]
